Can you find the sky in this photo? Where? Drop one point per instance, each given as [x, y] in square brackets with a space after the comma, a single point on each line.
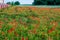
[21, 1]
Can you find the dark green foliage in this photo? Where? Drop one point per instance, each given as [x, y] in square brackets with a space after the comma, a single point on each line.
[17, 3]
[38, 3]
[46, 2]
[13, 3]
[50, 2]
[8, 3]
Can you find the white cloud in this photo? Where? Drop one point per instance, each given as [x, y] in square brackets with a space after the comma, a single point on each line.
[1, 1]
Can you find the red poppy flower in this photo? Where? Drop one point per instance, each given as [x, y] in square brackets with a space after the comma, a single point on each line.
[3, 33]
[0, 26]
[16, 33]
[26, 38]
[34, 31]
[49, 31]
[12, 29]
[22, 38]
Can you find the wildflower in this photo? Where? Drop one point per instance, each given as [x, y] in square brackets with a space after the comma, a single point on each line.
[22, 38]
[26, 38]
[16, 33]
[12, 29]
[3, 33]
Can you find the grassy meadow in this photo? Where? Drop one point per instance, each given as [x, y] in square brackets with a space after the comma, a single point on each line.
[29, 23]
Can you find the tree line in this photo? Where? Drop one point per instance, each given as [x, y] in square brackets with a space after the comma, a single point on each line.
[46, 2]
[38, 2]
[13, 3]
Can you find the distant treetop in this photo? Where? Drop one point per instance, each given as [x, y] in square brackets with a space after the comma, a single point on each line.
[13, 3]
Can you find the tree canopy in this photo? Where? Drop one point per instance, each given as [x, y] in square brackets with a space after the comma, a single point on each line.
[13, 3]
[46, 2]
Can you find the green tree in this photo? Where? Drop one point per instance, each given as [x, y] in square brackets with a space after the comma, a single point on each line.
[17, 3]
[46, 2]
[39, 2]
[10, 3]
[13, 3]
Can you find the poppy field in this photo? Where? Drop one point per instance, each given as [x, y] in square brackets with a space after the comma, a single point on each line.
[29, 23]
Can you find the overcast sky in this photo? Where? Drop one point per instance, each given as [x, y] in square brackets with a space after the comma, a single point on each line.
[21, 1]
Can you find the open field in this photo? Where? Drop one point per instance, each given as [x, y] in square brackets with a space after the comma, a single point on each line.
[29, 23]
